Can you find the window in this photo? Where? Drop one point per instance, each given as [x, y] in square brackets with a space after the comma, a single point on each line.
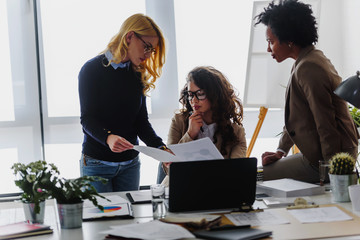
[214, 33]
[20, 128]
[6, 90]
[67, 43]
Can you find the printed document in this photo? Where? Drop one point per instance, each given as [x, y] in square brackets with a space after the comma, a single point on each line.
[256, 218]
[322, 214]
[158, 154]
[117, 207]
[150, 230]
[201, 149]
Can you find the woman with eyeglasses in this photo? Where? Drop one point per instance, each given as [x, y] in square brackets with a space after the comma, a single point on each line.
[316, 120]
[112, 90]
[210, 109]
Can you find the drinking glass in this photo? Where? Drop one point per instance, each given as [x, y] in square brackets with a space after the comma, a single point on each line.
[323, 171]
[158, 201]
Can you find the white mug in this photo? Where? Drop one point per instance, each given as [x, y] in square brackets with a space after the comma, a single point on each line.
[354, 192]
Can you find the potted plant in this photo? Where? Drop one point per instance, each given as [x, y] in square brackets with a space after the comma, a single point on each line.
[70, 194]
[355, 114]
[342, 175]
[31, 179]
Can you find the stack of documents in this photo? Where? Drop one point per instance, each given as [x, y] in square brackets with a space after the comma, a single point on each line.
[289, 188]
[149, 230]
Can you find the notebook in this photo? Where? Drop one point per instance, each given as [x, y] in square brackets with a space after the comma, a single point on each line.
[212, 184]
[23, 229]
[233, 234]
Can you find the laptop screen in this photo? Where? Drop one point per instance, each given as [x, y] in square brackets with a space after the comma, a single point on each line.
[212, 184]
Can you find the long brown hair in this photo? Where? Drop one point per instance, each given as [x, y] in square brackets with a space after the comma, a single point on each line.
[226, 107]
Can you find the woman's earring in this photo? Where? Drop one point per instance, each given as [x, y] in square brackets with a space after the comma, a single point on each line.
[289, 45]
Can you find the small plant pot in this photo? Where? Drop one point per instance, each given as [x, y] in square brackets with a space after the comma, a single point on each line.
[339, 186]
[31, 216]
[70, 215]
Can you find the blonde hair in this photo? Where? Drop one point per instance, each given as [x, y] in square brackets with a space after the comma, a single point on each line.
[143, 25]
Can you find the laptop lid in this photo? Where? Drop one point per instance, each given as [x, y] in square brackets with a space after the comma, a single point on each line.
[212, 184]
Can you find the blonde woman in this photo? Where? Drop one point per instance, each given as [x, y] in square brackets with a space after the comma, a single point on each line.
[112, 90]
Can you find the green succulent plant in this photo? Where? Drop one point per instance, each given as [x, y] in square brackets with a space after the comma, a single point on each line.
[341, 164]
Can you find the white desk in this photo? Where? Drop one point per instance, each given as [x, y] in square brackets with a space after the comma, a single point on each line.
[11, 212]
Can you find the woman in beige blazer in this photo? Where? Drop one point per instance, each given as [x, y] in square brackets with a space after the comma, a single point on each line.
[316, 119]
[210, 109]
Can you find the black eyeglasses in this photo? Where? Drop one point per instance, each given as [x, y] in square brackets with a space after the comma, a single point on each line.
[148, 48]
[199, 94]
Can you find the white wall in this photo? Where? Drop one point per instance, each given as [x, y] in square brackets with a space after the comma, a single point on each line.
[339, 34]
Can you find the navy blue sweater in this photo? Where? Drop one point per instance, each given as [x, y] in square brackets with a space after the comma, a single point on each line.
[112, 101]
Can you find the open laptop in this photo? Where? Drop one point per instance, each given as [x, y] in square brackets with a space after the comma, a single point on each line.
[212, 184]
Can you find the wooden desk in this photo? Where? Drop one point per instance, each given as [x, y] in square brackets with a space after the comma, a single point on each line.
[297, 230]
[11, 212]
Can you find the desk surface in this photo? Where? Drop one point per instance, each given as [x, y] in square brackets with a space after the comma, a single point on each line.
[11, 212]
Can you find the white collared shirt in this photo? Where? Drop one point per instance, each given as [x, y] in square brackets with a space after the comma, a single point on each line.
[208, 131]
[109, 56]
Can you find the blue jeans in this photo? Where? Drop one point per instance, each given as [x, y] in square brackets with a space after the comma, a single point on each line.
[121, 176]
[161, 174]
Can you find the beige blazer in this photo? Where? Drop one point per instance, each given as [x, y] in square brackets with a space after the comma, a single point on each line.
[316, 119]
[178, 134]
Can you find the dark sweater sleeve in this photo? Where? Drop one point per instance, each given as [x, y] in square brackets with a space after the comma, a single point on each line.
[144, 128]
[88, 85]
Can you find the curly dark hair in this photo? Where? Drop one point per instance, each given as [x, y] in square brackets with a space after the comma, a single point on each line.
[290, 21]
[226, 107]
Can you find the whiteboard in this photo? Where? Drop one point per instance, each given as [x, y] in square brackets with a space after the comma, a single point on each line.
[266, 79]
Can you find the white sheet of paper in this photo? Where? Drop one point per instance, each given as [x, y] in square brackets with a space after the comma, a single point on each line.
[201, 149]
[113, 200]
[141, 196]
[115, 210]
[118, 205]
[150, 230]
[322, 214]
[157, 154]
[257, 218]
